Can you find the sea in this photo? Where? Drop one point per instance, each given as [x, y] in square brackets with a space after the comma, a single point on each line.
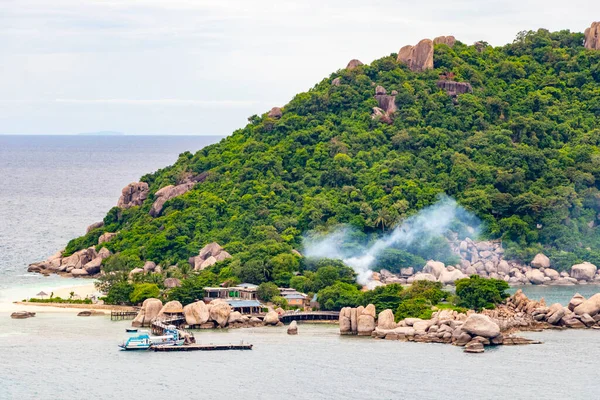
[52, 187]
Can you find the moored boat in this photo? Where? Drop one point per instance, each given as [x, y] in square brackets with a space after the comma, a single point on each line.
[144, 341]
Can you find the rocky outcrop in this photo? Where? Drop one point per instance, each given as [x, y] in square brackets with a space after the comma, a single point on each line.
[449, 275]
[209, 255]
[93, 267]
[275, 113]
[106, 237]
[585, 271]
[447, 40]
[417, 58]
[434, 268]
[481, 325]
[353, 64]
[167, 193]
[385, 320]
[590, 306]
[386, 105]
[357, 321]
[133, 195]
[293, 328]
[592, 37]
[453, 89]
[196, 313]
[336, 82]
[150, 310]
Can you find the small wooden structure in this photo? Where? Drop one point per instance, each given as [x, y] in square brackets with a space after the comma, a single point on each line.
[122, 315]
[310, 316]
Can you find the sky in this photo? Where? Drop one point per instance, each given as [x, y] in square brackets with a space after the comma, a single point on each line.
[204, 66]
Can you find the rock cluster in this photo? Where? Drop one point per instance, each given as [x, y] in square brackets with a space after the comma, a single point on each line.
[357, 321]
[209, 255]
[353, 64]
[149, 311]
[592, 37]
[417, 58]
[81, 263]
[386, 105]
[133, 195]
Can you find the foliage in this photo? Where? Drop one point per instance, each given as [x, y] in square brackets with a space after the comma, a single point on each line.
[192, 288]
[143, 291]
[429, 291]
[384, 297]
[280, 301]
[477, 293]
[339, 295]
[60, 300]
[522, 152]
[417, 307]
[119, 293]
[267, 291]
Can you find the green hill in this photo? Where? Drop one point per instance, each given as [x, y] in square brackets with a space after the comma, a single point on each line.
[521, 152]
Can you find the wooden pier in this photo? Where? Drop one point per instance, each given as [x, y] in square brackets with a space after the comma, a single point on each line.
[203, 347]
[122, 315]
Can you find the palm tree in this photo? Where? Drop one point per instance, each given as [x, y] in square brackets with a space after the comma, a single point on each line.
[71, 294]
[383, 219]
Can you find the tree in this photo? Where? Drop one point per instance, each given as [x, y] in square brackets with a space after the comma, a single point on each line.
[267, 291]
[192, 288]
[477, 293]
[339, 295]
[384, 297]
[119, 293]
[143, 291]
[280, 301]
[414, 308]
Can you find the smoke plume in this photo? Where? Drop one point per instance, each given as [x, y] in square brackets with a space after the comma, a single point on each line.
[429, 223]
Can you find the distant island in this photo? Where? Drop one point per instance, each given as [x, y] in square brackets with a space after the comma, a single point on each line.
[102, 133]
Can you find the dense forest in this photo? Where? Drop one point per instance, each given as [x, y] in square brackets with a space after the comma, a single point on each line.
[521, 152]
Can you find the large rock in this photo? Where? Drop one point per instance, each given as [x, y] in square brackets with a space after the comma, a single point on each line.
[93, 226]
[275, 113]
[366, 324]
[590, 306]
[434, 268]
[551, 273]
[235, 317]
[219, 312]
[344, 320]
[93, 267]
[167, 193]
[386, 320]
[540, 261]
[422, 277]
[196, 313]
[450, 275]
[78, 259]
[447, 40]
[353, 64]
[79, 272]
[272, 318]
[535, 276]
[585, 271]
[453, 89]
[293, 328]
[208, 262]
[211, 249]
[555, 313]
[172, 282]
[150, 309]
[592, 37]
[481, 325]
[576, 300]
[503, 267]
[104, 253]
[133, 195]
[106, 237]
[369, 310]
[419, 57]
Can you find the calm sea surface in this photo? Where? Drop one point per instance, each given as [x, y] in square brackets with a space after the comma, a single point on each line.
[53, 187]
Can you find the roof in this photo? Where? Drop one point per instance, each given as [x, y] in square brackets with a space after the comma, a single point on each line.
[42, 293]
[294, 296]
[218, 289]
[244, 303]
[314, 297]
[247, 285]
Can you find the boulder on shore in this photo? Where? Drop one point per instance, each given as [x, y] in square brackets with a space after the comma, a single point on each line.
[590, 306]
[196, 313]
[293, 328]
[481, 325]
[22, 315]
[585, 271]
[219, 312]
[150, 309]
[272, 318]
[540, 261]
[386, 320]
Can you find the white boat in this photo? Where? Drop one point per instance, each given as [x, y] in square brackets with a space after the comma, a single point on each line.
[144, 341]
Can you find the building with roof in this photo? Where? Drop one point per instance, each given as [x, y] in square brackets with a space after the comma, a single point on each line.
[245, 306]
[293, 297]
[244, 291]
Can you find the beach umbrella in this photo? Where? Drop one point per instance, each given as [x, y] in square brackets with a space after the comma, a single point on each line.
[42, 294]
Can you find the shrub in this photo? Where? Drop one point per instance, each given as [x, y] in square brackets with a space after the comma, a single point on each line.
[414, 308]
[267, 291]
[119, 293]
[143, 291]
[477, 293]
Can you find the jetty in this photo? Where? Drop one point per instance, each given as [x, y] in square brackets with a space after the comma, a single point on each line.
[119, 315]
[203, 347]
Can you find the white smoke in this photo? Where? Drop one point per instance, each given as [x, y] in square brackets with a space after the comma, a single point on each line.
[431, 222]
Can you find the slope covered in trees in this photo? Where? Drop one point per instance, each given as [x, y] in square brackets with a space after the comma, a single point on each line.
[521, 151]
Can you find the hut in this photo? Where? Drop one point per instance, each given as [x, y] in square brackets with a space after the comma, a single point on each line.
[42, 294]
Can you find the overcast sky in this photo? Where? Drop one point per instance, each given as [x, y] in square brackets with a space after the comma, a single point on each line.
[204, 66]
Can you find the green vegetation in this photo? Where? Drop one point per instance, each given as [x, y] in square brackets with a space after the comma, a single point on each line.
[144, 291]
[522, 152]
[477, 293]
[59, 300]
[267, 291]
